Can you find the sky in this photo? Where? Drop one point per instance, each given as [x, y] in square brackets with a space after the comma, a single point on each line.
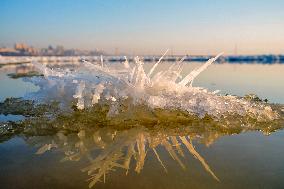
[140, 27]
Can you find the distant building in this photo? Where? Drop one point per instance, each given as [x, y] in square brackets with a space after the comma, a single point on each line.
[24, 50]
[59, 50]
[8, 52]
[21, 47]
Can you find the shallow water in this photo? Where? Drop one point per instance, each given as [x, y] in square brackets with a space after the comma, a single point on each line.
[14, 87]
[245, 160]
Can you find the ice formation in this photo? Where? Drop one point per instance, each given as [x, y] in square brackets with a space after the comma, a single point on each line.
[116, 84]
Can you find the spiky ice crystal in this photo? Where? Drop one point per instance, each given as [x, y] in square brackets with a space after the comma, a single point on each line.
[93, 83]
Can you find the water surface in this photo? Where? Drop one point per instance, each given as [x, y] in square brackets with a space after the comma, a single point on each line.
[174, 157]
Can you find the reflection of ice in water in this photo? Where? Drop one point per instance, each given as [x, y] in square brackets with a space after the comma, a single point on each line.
[117, 148]
[109, 144]
[129, 85]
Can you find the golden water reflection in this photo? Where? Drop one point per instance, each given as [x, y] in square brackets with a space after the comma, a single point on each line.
[108, 149]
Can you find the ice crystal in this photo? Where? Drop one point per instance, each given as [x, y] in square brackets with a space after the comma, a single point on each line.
[129, 84]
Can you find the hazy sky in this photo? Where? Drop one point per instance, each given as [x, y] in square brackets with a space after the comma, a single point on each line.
[147, 26]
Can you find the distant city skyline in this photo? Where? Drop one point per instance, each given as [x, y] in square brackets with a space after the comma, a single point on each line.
[22, 49]
[146, 27]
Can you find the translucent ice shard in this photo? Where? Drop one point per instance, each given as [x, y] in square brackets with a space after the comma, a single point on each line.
[190, 77]
[129, 85]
